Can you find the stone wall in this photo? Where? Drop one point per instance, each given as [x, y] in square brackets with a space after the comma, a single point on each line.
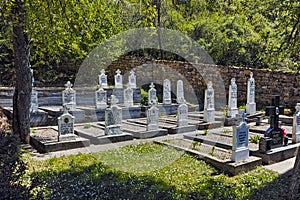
[196, 76]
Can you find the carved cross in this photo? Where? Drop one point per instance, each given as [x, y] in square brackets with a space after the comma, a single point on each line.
[68, 85]
[274, 111]
[102, 71]
[118, 72]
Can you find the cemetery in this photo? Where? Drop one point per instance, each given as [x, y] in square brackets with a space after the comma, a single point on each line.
[152, 99]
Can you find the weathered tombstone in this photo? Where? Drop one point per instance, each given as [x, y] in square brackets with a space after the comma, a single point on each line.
[275, 132]
[103, 79]
[113, 118]
[296, 125]
[34, 101]
[132, 80]
[118, 79]
[128, 97]
[101, 99]
[167, 92]
[152, 118]
[69, 97]
[66, 126]
[209, 103]
[251, 105]
[232, 100]
[240, 150]
[180, 92]
[152, 95]
[182, 115]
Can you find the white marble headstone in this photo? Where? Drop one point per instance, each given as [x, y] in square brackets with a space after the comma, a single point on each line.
[180, 92]
[118, 79]
[152, 118]
[69, 97]
[34, 101]
[182, 115]
[128, 97]
[296, 125]
[152, 95]
[132, 80]
[240, 140]
[209, 103]
[167, 92]
[251, 105]
[101, 99]
[113, 118]
[232, 100]
[103, 79]
[66, 127]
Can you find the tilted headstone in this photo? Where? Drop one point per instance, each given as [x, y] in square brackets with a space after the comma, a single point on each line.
[101, 99]
[275, 132]
[182, 115]
[167, 92]
[34, 101]
[180, 92]
[240, 140]
[232, 100]
[251, 105]
[103, 79]
[113, 118]
[128, 97]
[118, 79]
[296, 125]
[69, 97]
[152, 118]
[66, 126]
[209, 103]
[152, 95]
[132, 80]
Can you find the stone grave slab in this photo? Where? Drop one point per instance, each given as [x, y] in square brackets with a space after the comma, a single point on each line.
[45, 139]
[96, 134]
[56, 111]
[216, 156]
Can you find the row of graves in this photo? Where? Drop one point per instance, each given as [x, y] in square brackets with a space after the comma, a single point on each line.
[237, 142]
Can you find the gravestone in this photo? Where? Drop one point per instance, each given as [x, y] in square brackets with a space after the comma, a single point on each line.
[152, 118]
[34, 101]
[167, 92]
[209, 103]
[101, 99]
[128, 97]
[69, 97]
[182, 115]
[240, 150]
[103, 79]
[118, 79]
[132, 80]
[66, 126]
[251, 105]
[180, 92]
[275, 132]
[113, 118]
[232, 100]
[296, 125]
[152, 95]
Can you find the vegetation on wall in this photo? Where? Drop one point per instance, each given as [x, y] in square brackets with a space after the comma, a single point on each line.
[260, 34]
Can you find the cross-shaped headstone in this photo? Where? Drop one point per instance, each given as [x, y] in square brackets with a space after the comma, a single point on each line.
[131, 73]
[102, 71]
[68, 85]
[113, 100]
[152, 85]
[244, 117]
[274, 111]
[118, 72]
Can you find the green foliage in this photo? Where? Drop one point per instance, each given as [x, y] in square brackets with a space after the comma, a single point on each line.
[254, 139]
[87, 126]
[144, 100]
[144, 171]
[12, 168]
[242, 107]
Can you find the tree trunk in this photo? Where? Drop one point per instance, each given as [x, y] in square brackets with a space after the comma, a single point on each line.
[22, 94]
[294, 188]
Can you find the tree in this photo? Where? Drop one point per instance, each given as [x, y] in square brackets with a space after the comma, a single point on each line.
[22, 93]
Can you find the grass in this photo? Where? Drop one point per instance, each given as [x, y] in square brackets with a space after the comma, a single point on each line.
[144, 171]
